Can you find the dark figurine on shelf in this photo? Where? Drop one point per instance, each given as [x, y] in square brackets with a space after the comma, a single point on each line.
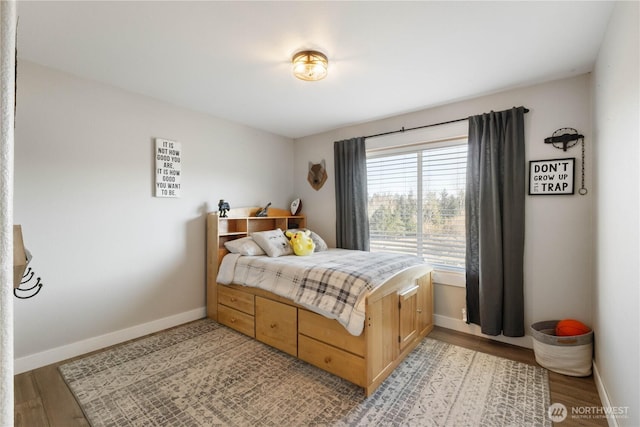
[223, 208]
[264, 211]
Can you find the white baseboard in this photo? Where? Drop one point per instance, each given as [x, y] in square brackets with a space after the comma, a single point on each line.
[461, 326]
[604, 396]
[38, 360]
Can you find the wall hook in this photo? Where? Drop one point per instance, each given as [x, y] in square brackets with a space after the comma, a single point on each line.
[19, 291]
[568, 137]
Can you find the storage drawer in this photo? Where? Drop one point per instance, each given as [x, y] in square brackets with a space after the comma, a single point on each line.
[329, 331]
[237, 320]
[242, 301]
[331, 359]
[277, 325]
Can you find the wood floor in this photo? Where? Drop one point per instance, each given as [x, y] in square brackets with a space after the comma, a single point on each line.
[42, 399]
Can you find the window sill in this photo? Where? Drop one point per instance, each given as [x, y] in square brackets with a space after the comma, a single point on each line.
[449, 278]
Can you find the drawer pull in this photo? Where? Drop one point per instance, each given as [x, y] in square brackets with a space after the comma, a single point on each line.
[419, 310]
[232, 320]
[273, 325]
[233, 299]
[327, 359]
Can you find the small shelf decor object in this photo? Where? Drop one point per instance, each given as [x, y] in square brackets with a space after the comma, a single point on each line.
[296, 206]
[223, 208]
[168, 155]
[551, 177]
[264, 212]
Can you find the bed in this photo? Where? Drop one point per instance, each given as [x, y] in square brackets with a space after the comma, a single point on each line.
[361, 336]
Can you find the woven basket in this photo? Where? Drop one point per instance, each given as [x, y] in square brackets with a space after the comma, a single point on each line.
[571, 355]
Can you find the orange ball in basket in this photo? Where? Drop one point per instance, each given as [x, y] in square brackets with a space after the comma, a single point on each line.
[571, 327]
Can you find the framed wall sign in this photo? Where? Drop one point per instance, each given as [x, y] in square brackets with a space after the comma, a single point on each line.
[551, 177]
[168, 168]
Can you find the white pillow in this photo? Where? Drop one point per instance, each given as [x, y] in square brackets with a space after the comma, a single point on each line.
[243, 246]
[321, 245]
[273, 242]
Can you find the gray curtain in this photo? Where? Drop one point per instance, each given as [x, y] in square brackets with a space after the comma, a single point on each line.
[352, 222]
[495, 222]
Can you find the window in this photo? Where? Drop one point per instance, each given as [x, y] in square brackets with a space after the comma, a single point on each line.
[416, 201]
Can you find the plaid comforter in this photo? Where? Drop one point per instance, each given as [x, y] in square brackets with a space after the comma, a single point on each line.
[333, 283]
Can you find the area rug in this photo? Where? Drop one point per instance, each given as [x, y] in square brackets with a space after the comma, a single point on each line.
[204, 374]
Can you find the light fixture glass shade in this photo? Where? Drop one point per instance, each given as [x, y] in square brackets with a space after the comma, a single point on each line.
[310, 65]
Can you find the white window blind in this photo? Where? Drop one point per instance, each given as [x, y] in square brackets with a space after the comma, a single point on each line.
[416, 202]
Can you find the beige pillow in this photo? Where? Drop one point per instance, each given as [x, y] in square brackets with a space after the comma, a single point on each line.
[244, 246]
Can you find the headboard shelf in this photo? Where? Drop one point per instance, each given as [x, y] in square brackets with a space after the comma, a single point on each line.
[241, 227]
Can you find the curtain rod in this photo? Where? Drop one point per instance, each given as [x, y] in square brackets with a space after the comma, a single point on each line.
[526, 110]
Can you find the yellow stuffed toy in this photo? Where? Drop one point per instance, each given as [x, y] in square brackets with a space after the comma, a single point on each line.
[301, 242]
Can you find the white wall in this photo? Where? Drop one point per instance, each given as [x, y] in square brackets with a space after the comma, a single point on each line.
[115, 261]
[559, 236]
[616, 298]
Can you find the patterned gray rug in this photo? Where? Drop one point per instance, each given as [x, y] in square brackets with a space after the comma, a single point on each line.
[204, 374]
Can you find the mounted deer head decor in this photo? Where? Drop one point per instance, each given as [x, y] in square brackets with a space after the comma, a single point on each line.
[317, 175]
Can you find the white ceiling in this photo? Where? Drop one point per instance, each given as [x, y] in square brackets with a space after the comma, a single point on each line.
[232, 59]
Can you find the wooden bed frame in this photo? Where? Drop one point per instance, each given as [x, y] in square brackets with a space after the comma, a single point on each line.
[398, 314]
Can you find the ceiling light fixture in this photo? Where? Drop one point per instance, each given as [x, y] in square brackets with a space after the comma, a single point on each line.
[310, 65]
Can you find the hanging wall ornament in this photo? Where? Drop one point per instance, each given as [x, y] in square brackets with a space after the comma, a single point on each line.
[317, 175]
[565, 138]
